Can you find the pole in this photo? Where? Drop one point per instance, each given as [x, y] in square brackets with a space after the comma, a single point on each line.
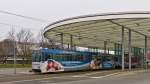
[75, 47]
[62, 46]
[14, 57]
[71, 42]
[105, 43]
[129, 50]
[108, 51]
[105, 46]
[42, 44]
[122, 42]
[145, 50]
[68, 46]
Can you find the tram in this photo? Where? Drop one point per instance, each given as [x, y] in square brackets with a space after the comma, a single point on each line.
[134, 61]
[55, 60]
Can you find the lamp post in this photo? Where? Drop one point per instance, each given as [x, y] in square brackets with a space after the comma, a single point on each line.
[14, 52]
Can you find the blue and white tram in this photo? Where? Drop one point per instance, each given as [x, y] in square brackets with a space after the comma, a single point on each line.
[54, 60]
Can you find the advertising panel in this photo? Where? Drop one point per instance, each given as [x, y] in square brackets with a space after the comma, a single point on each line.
[51, 66]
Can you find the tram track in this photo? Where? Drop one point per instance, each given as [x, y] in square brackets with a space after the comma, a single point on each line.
[62, 75]
[49, 75]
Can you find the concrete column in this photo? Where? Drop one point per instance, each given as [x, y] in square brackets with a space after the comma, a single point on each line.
[129, 50]
[74, 47]
[122, 42]
[105, 46]
[108, 51]
[68, 46]
[145, 50]
[71, 42]
[62, 46]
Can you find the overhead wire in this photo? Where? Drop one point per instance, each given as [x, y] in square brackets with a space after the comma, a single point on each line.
[23, 16]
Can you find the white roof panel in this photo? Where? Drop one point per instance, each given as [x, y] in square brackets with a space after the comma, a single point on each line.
[93, 30]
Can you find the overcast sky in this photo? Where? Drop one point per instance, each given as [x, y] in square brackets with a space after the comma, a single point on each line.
[53, 10]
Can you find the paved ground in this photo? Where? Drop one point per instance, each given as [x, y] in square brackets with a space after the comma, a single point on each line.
[87, 77]
[10, 71]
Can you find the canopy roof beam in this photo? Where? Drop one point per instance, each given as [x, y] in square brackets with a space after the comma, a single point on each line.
[127, 28]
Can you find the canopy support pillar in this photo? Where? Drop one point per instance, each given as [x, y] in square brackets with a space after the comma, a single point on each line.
[105, 46]
[122, 42]
[71, 42]
[129, 50]
[62, 46]
[145, 50]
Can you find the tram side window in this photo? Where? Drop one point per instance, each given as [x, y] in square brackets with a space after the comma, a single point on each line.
[78, 57]
[48, 56]
[67, 57]
[36, 56]
[57, 57]
[107, 59]
[74, 57]
[115, 59]
[62, 57]
[43, 56]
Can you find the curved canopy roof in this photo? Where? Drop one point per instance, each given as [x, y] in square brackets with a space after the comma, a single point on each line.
[93, 30]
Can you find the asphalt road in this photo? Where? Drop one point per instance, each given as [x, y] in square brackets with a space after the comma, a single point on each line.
[87, 77]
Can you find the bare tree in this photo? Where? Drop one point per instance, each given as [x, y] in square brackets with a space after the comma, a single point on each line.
[3, 53]
[43, 41]
[11, 34]
[7, 46]
[24, 38]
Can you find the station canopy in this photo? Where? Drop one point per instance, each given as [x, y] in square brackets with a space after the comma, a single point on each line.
[93, 30]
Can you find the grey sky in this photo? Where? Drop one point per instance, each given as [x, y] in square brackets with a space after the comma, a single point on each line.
[53, 10]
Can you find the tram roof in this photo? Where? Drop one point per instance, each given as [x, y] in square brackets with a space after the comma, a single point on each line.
[93, 30]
